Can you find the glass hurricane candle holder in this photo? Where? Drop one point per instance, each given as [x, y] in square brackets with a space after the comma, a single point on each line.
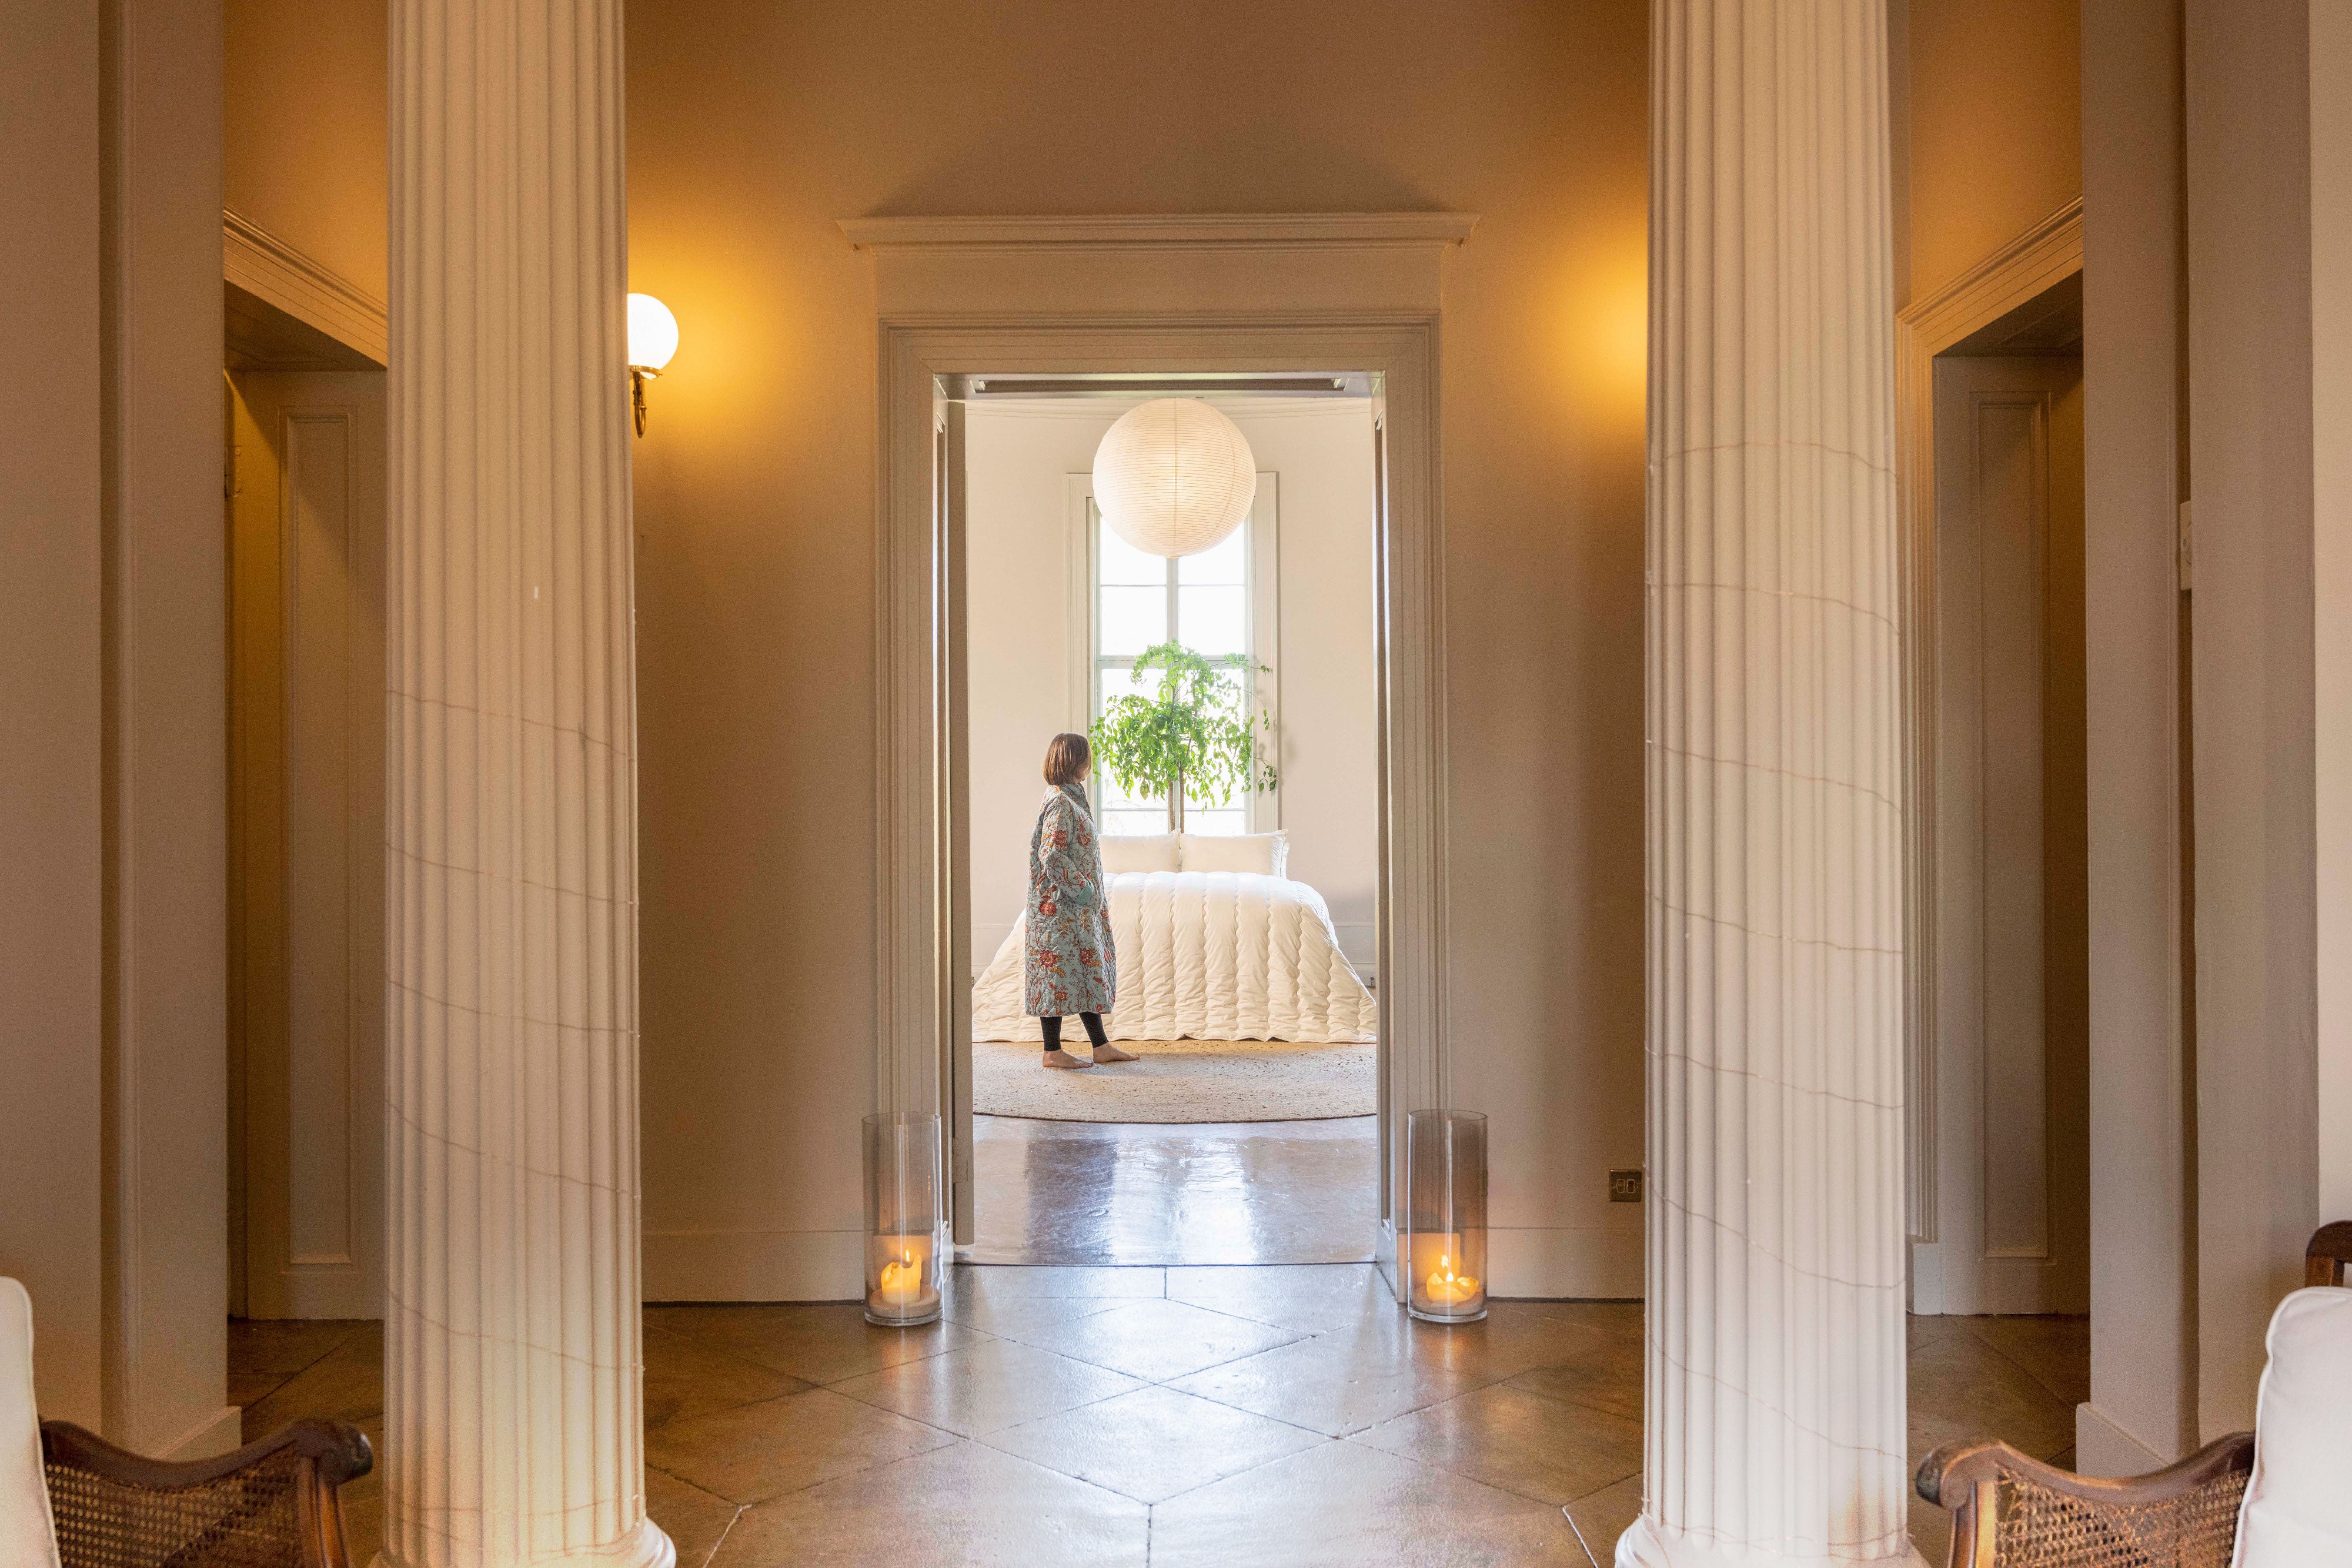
[1443, 1239]
[902, 1218]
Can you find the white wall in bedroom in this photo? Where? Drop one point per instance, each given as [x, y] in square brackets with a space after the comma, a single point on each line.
[1021, 609]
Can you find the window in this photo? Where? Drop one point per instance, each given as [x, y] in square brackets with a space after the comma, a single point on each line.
[1203, 602]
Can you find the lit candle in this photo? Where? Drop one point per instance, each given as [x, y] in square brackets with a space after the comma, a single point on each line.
[904, 1279]
[1445, 1288]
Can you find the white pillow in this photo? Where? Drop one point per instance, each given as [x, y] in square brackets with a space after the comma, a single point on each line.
[1138, 852]
[2294, 1515]
[27, 1537]
[1265, 853]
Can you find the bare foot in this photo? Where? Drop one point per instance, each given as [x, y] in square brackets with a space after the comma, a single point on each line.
[1064, 1058]
[1109, 1052]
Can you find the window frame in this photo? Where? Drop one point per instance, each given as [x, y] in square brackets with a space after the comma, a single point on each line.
[1262, 626]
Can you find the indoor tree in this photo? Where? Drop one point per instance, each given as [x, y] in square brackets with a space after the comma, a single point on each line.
[1197, 734]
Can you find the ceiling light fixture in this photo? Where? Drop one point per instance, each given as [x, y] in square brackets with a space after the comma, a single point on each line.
[1174, 476]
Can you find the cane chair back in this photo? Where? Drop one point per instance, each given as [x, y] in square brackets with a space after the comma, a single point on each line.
[272, 1504]
[2010, 1510]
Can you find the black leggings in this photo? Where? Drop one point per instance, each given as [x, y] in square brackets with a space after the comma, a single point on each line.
[1093, 1021]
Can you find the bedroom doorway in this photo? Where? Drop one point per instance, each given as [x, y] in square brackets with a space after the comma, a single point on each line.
[1244, 908]
[1071, 297]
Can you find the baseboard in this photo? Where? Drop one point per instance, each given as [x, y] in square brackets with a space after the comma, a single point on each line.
[2103, 1449]
[220, 1433]
[755, 1265]
[1926, 1279]
[1580, 1262]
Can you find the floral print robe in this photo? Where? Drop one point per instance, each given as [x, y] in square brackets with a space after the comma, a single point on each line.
[1068, 965]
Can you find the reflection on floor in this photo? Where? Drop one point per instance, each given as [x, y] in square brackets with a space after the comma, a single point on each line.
[1132, 1193]
[1257, 1416]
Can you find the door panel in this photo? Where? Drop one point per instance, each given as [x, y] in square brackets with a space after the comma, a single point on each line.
[2011, 1022]
[307, 824]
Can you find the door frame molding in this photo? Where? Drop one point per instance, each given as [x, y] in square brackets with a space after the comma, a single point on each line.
[2045, 255]
[1079, 295]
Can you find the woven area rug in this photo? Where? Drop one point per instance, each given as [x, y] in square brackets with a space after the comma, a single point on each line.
[1180, 1080]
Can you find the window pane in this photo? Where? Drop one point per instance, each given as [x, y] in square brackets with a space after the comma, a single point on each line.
[1120, 561]
[1133, 619]
[1105, 793]
[1212, 620]
[1227, 563]
[1114, 681]
[1120, 680]
[1138, 823]
[1229, 821]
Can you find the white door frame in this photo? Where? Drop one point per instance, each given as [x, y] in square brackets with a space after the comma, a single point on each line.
[1068, 297]
[2045, 255]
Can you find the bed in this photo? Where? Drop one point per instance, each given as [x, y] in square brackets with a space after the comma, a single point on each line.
[1205, 955]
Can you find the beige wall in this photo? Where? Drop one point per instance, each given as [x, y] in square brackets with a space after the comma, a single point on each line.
[2331, 611]
[1995, 127]
[1022, 620]
[50, 844]
[2141, 1412]
[304, 135]
[114, 880]
[168, 959]
[753, 128]
[2256, 397]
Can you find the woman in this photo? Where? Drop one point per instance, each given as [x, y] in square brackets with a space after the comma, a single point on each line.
[1068, 965]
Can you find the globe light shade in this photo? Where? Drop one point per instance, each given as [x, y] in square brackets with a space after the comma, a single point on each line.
[1174, 476]
[653, 333]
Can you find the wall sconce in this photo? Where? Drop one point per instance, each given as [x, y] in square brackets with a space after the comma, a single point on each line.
[653, 339]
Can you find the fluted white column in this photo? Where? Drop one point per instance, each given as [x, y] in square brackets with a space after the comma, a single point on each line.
[1775, 1393]
[513, 1415]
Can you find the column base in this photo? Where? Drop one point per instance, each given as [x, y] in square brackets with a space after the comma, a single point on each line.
[646, 1546]
[1643, 1547]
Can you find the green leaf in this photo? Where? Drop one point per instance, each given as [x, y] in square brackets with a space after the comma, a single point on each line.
[1200, 730]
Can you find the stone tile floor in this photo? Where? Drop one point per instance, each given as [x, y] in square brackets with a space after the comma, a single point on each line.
[1102, 1416]
[1171, 1193]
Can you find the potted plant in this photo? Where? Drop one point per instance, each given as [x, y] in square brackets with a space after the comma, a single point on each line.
[1196, 734]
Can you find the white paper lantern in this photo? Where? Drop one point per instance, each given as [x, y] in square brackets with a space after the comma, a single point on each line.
[1174, 476]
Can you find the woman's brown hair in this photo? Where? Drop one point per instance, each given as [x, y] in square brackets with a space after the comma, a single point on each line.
[1066, 758]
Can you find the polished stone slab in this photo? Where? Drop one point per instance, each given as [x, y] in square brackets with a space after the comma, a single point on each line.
[1210, 1193]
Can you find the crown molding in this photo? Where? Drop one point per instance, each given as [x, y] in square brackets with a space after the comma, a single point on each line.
[1167, 265]
[2025, 265]
[1183, 231]
[268, 267]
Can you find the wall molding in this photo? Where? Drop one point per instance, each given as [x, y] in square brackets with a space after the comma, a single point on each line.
[268, 267]
[1066, 296]
[1334, 265]
[1212, 231]
[2046, 254]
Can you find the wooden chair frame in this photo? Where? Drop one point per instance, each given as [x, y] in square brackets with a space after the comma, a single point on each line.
[250, 1529]
[1967, 1477]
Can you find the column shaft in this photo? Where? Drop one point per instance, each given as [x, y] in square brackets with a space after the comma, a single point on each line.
[512, 1402]
[1775, 1391]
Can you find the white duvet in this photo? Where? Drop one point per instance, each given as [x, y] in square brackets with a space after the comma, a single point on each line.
[1205, 955]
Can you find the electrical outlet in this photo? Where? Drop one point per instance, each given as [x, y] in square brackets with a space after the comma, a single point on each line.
[1624, 1187]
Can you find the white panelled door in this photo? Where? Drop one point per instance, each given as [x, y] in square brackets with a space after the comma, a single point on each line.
[307, 763]
[2010, 959]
